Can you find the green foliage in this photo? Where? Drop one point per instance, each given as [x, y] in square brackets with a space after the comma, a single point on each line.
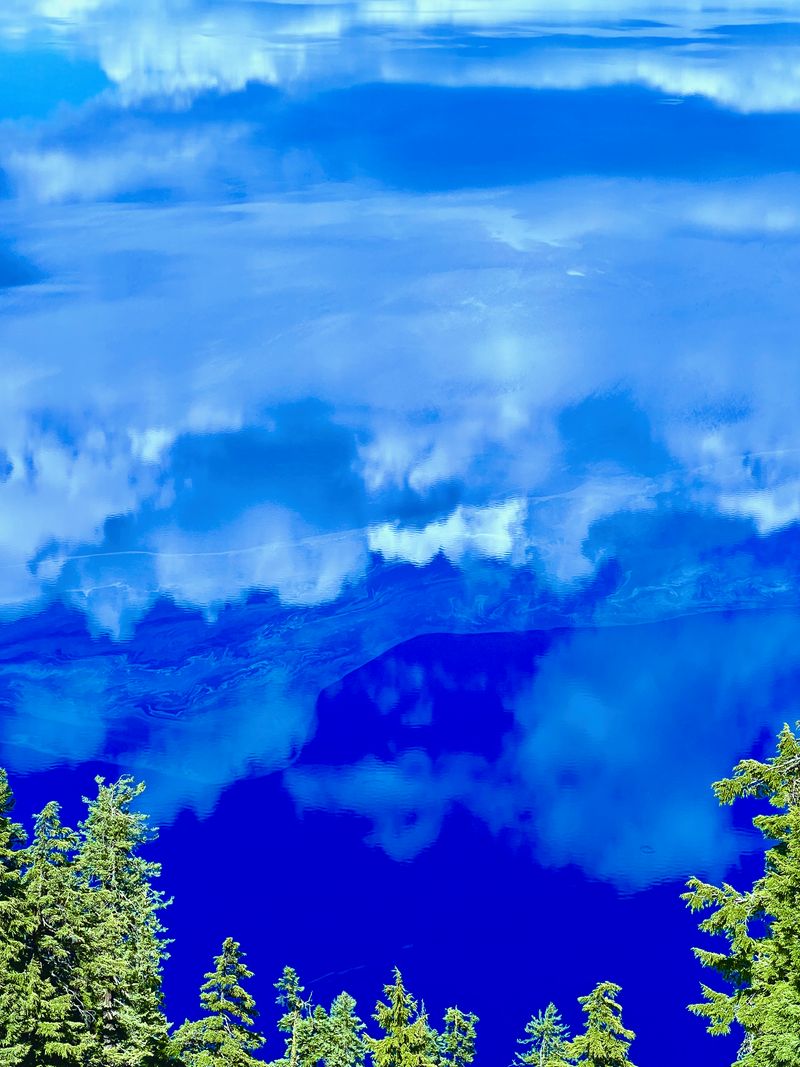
[12, 924]
[304, 1030]
[457, 1042]
[46, 1023]
[82, 949]
[343, 1044]
[546, 1042]
[761, 926]
[604, 1041]
[125, 944]
[408, 1040]
[12, 838]
[225, 1036]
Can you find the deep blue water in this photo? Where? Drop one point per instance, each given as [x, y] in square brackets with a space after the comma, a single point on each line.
[400, 471]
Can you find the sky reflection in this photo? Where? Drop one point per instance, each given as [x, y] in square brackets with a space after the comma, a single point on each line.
[326, 327]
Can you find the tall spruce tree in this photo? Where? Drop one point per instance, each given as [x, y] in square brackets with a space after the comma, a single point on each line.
[343, 1043]
[12, 839]
[48, 1021]
[12, 925]
[604, 1041]
[457, 1041]
[762, 924]
[316, 1036]
[546, 1040]
[304, 1029]
[408, 1040]
[126, 946]
[224, 1037]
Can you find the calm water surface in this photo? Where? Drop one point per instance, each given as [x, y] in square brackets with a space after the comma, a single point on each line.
[400, 470]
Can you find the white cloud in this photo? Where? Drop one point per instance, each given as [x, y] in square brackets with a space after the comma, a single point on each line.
[492, 531]
[770, 509]
[609, 763]
[162, 50]
[150, 444]
[441, 335]
[140, 161]
[406, 800]
[266, 548]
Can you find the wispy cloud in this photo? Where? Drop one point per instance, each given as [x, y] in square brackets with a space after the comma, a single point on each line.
[162, 51]
[488, 446]
[608, 765]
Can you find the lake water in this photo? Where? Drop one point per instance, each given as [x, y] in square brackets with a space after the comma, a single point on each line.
[400, 471]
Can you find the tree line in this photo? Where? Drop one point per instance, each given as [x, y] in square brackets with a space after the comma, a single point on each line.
[82, 951]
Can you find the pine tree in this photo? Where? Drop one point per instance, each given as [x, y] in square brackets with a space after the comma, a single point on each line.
[126, 946]
[48, 1019]
[225, 1036]
[342, 1042]
[457, 1043]
[547, 1040]
[604, 1041]
[408, 1040]
[761, 925]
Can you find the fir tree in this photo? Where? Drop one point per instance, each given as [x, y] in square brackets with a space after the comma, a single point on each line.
[304, 1030]
[408, 1040]
[225, 1036]
[343, 1043]
[12, 927]
[457, 1042]
[316, 1036]
[12, 838]
[546, 1042]
[604, 1041]
[761, 925]
[48, 1019]
[125, 938]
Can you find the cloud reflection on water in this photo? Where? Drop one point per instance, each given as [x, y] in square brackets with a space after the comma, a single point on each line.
[408, 319]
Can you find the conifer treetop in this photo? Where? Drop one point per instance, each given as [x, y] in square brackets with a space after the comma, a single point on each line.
[760, 963]
[604, 1041]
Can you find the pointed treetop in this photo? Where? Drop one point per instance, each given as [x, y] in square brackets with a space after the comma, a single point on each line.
[222, 993]
[409, 1041]
[343, 1044]
[546, 1041]
[12, 836]
[290, 992]
[604, 1041]
[457, 1043]
[224, 1037]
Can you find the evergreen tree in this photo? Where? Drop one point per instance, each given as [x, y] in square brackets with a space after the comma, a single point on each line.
[225, 1036]
[12, 927]
[457, 1043]
[12, 839]
[47, 1022]
[547, 1040]
[761, 925]
[408, 1040]
[304, 1030]
[343, 1044]
[316, 1036]
[125, 939]
[604, 1041]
